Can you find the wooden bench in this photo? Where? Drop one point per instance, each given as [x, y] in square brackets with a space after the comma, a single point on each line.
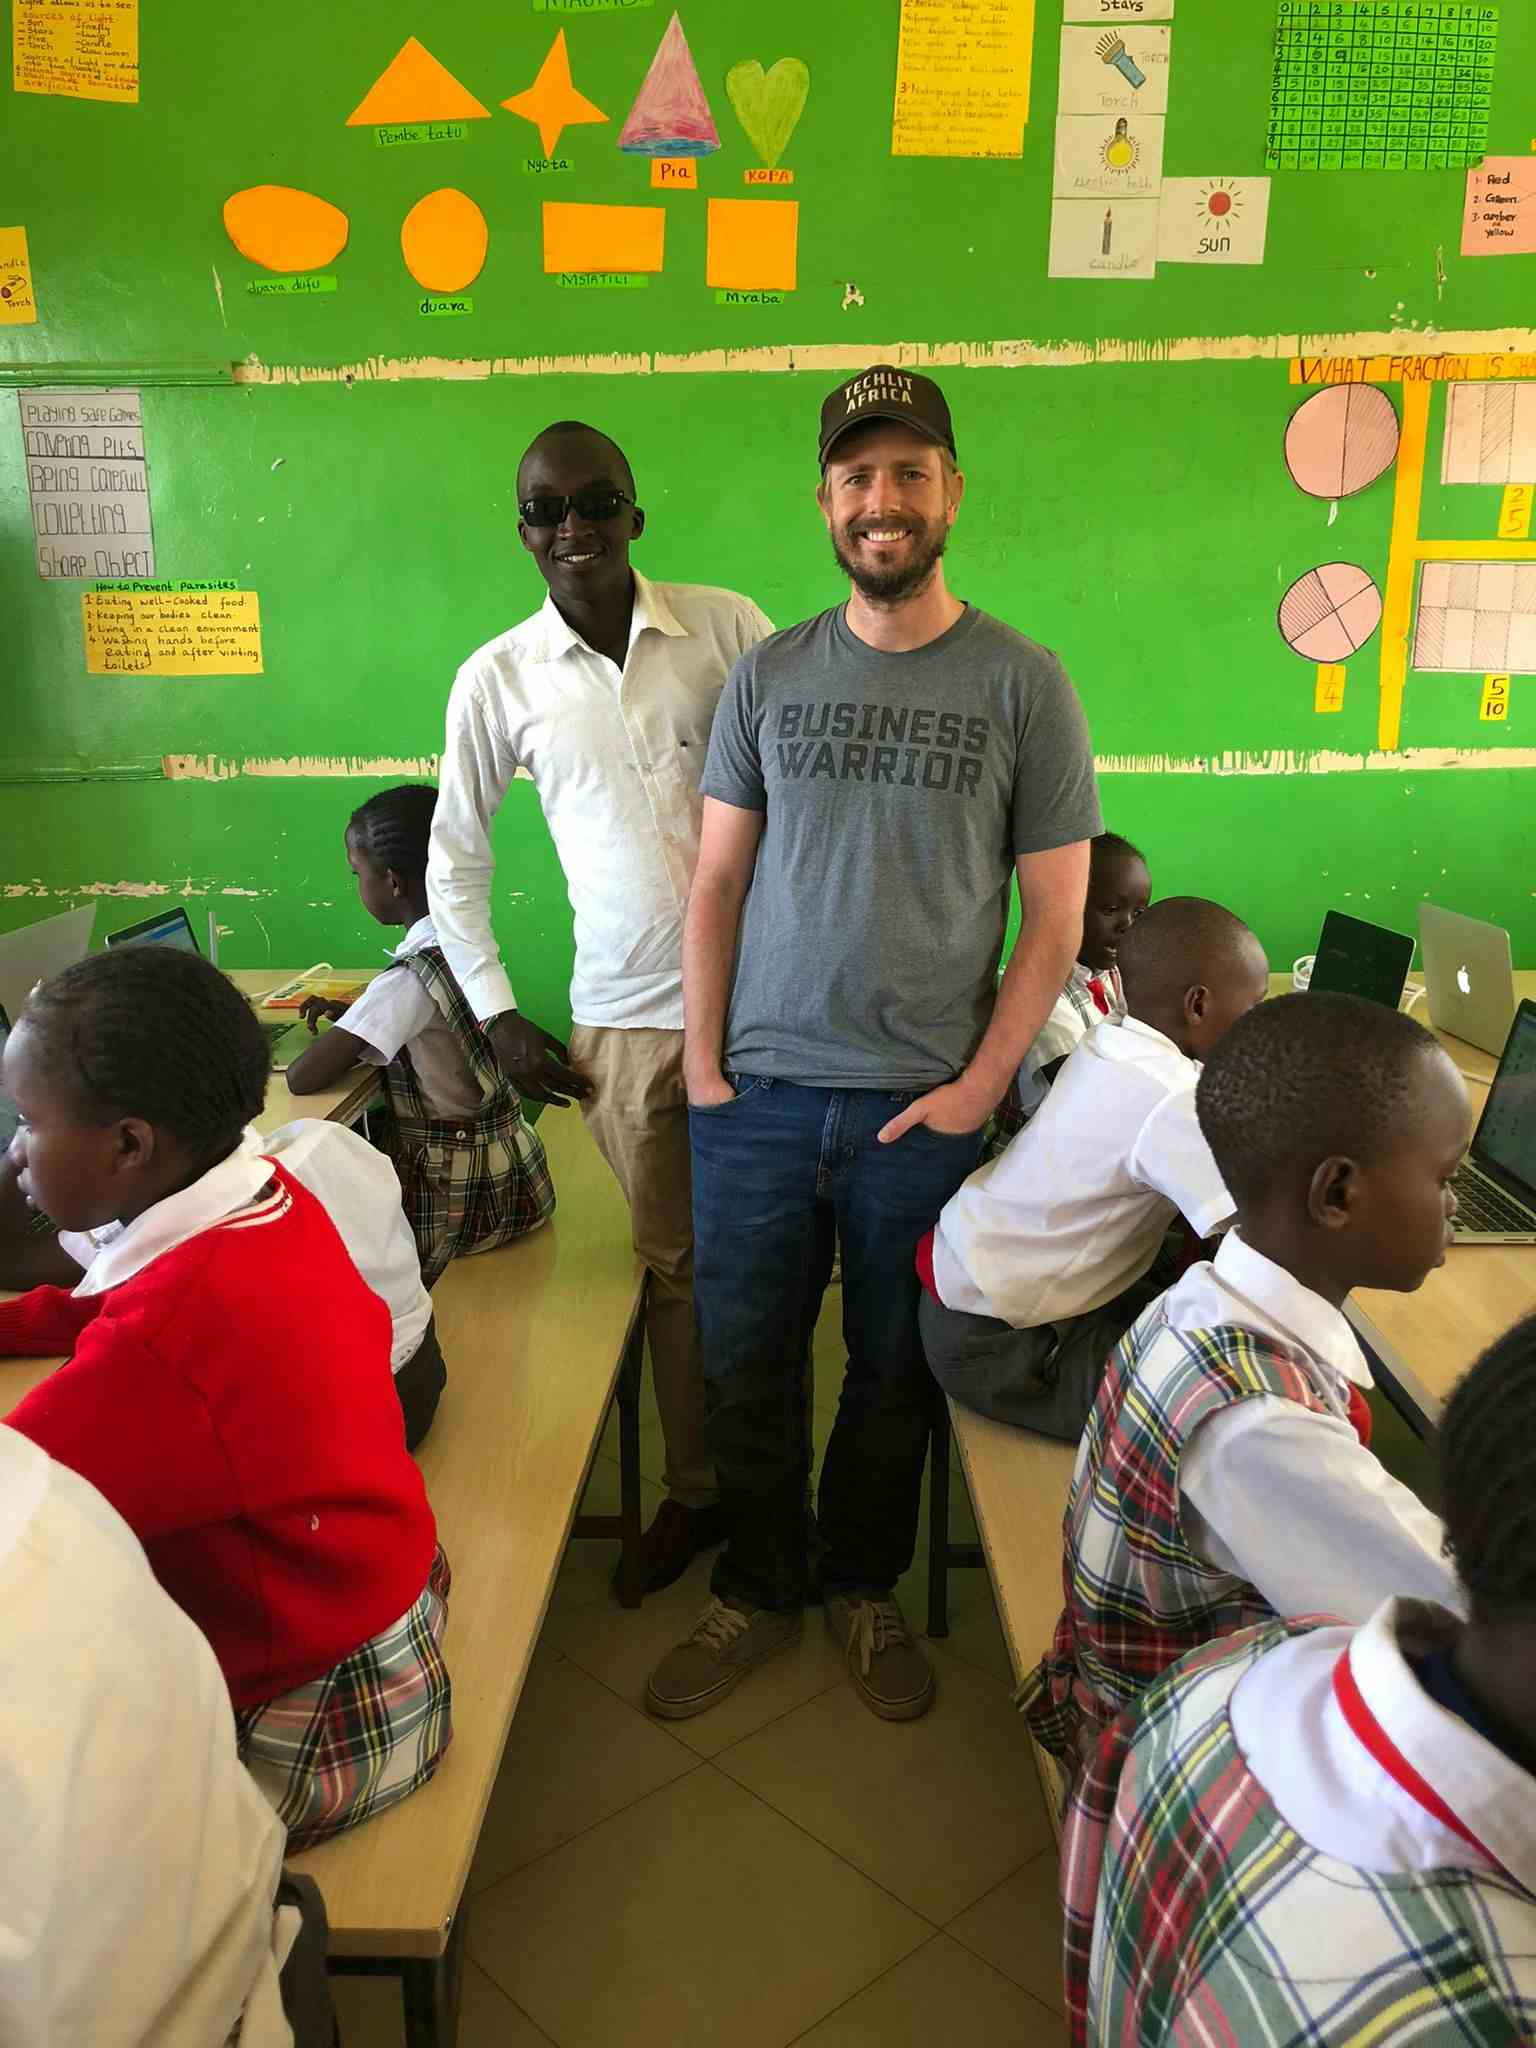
[537, 1337]
[1018, 1484]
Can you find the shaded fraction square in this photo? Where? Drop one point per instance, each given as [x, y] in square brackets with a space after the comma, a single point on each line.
[1381, 85]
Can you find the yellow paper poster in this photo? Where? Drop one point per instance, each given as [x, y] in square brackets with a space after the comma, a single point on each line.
[962, 77]
[18, 305]
[168, 632]
[78, 49]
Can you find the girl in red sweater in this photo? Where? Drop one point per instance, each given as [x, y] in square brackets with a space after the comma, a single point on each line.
[228, 1386]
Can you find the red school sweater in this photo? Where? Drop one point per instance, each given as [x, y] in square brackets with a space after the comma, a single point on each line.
[234, 1402]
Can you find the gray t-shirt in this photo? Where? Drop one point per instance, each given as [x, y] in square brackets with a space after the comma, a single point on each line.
[898, 791]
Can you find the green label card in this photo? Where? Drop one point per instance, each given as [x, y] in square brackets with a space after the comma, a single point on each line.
[289, 287]
[601, 280]
[456, 304]
[734, 298]
[390, 134]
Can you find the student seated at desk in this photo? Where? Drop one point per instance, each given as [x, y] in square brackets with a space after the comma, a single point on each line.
[228, 1385]
[1224, 1476]
[142, 1897]
[356, 1187]
[1317, 1835]
[1041, 1262]
[472, 1172]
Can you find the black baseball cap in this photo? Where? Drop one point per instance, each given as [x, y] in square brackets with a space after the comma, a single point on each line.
[883, 392]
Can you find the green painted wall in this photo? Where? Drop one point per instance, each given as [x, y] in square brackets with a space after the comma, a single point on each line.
[1134, 515]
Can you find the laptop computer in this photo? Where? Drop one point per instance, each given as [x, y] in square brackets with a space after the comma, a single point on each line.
[165, 928]
[285, 1038]
[1360, 959]
[1469, 975]
[39, 950]
[1496, 1182]
[10, 1115]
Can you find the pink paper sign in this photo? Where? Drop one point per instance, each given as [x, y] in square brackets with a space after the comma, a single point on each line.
[1500, 219]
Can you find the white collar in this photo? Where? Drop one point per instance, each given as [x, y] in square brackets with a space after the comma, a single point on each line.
[1290, 1310]
[422, 933]
[1326, 1785]
[124, 1249]
[559, 636]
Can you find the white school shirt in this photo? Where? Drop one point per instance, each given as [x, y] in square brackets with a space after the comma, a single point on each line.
[616, 757]
[352, 1181]
[1286, 1498]
[1073, 1016]
[1326, 1785]
[1074, 1210]
[138, 1861]
[394, 1010]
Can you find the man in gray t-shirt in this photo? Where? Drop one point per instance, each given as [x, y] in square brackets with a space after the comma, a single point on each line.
[877, 777]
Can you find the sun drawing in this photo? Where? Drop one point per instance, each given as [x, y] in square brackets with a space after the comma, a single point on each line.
[1219, 205]
[1122, 150]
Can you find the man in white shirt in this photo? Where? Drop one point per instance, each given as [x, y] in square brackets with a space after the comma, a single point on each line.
[605, 698]
[1041, 1262]
[1355, 1806]
[139, 1865]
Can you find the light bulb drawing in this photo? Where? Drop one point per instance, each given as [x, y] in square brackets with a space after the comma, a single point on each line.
[1122, 149]
[1112, 50]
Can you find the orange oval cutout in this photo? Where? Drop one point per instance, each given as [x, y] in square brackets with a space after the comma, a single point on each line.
[284, 229]
[443, 240]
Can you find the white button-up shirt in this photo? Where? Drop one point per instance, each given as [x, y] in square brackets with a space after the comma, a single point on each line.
[1075, 1209]
[1286, 1498]
[616, 756]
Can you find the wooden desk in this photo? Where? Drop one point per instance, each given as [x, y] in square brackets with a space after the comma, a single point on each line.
[1421, 1344]
[342, 1104]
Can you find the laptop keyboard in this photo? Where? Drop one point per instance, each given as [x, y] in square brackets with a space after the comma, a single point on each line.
[1479, 1204]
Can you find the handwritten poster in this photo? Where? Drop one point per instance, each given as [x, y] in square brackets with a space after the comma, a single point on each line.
[172, 630]
[88, 482]
[18, 301]
[76, 49]
[1500, 215]
[962, 78]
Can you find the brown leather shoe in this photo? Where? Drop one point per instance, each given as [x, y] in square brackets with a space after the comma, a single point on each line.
[672, 1542]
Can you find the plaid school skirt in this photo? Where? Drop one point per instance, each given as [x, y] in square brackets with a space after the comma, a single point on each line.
[332, 1753]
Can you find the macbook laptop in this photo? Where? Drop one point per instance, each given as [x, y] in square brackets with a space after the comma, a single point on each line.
[1496, 1183]
[285, 1038]
[1469, 976]
[165, 928]
[40, 950]
[10, 1115]
[1359, 959]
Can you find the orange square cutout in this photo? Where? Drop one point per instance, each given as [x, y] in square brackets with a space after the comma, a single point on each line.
[753, 244]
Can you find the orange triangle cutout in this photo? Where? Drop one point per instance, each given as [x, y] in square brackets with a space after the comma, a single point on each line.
[415, 87]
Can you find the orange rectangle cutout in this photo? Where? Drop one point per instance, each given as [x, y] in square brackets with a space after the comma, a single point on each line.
[675, 173]
[603, 237]
[753, 244]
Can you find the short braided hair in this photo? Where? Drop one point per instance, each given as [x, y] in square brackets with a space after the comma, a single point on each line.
[153, 1032]
[1486, 1452]
[1113, 846]
[1305, 1076]
[394, 828]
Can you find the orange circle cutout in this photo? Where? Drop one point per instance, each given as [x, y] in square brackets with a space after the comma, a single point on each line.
[443, 240]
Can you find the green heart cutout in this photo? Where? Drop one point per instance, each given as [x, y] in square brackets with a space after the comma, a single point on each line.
[769, 103]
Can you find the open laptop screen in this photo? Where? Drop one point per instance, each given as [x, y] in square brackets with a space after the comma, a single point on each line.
[170, 928]
[1506, 1135]
[1361, 959]
[10, 1116]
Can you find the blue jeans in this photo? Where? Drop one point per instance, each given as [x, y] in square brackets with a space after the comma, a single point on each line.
[778, 1174]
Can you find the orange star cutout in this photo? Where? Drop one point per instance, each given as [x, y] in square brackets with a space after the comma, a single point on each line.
[552, 102]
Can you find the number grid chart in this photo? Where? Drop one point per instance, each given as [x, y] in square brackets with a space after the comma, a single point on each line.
[1381, 85]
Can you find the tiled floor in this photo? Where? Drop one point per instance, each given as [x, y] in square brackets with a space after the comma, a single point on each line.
[783, 1869]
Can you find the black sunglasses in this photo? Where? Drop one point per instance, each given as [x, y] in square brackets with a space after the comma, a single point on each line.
[599, 503]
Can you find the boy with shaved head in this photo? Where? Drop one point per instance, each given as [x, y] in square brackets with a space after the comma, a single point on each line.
[1046, 1256]
[1225, 1476]
[605, 696]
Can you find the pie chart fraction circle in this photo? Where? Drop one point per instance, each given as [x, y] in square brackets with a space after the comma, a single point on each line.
[1341, 440]
[1329, 614]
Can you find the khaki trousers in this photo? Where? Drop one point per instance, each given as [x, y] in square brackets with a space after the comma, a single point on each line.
[638, 1113]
